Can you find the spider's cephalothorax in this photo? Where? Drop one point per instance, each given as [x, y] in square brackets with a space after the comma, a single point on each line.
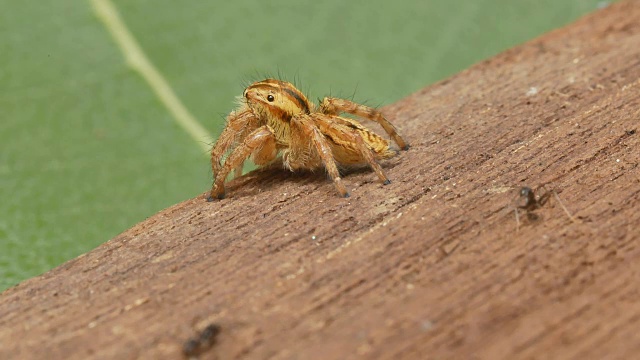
[276, 118]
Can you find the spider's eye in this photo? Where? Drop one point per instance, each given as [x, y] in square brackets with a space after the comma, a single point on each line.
[270, 98]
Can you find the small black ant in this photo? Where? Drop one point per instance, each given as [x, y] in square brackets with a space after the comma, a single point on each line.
[531, 200]
[197, 345]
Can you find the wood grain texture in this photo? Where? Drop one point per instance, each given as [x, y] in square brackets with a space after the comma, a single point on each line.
[430, 266]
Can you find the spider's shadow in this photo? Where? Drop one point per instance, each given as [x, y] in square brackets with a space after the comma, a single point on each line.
[271, 177]
[275, 175]
[530, 217]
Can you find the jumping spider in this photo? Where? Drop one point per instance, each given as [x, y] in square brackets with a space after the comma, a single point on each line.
[276, 118]
[531, 200]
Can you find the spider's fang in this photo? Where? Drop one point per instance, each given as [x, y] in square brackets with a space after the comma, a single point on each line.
[386, 182]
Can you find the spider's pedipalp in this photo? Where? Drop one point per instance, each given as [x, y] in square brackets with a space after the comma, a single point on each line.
[335, 106]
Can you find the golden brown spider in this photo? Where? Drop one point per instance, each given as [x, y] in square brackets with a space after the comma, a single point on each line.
[531, 200]
[276, 118]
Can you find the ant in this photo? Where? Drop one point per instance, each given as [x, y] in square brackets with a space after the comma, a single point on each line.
[531, 200]
[197, 345]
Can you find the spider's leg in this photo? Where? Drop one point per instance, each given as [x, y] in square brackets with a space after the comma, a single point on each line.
[306, 129]
[262, 136]
[544, 197]
[517, 219]
[555, 194]
[328, 124]
[239, 125]
[335, 106]
[237, 172]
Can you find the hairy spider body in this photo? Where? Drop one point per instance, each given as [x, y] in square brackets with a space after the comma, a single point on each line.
[276, 118]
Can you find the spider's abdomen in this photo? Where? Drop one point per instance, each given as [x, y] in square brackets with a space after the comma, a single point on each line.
[346, 151]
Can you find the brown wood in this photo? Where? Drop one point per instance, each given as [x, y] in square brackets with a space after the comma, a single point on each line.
[430, 266]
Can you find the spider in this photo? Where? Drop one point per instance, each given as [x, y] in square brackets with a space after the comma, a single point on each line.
[531, 200]
[274, 118]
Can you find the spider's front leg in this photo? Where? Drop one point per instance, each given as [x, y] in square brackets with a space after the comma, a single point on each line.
[302, 127]
[239, 124]
[261, 142]
[335, 106]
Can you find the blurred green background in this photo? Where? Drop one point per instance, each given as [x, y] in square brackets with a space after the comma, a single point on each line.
[88, 150]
